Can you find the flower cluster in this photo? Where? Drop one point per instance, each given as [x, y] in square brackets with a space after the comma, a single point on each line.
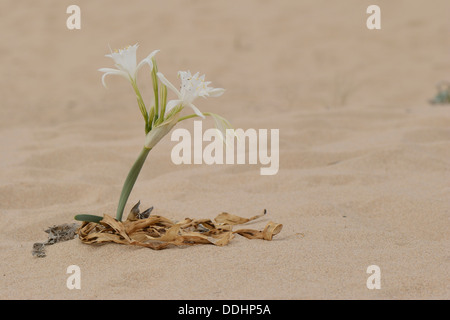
[191, 87]
[164, 114]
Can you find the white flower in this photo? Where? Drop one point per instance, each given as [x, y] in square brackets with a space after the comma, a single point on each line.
[125, 62]
[192, 87]
[222, 125]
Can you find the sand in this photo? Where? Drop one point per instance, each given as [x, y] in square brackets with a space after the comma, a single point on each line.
[364, 173]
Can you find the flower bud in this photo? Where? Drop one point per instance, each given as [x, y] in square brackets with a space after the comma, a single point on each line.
[158, 132]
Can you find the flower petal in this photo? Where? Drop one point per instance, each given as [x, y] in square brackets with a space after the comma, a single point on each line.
[172, 104]
[125, 59]
[147, 60]
[168, 84]
[216, 92]
[109, 71]
[196, 110]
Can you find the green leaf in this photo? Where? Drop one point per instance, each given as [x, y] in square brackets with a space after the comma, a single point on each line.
[130, 181]
[88, 218]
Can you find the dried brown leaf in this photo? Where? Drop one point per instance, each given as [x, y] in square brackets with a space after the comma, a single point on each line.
[231, 219]
[157, 232]
[269, 231]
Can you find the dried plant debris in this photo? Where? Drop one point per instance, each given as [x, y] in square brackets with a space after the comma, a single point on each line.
[60, 233]
[157, 232]
[38, 250]
[443, 93]
[135, 213]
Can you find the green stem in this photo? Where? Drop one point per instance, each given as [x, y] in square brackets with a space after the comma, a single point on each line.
[163, 102]
[130, 181]
[141, 105]
[155, 90]
[193, 116]
[188, 117]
